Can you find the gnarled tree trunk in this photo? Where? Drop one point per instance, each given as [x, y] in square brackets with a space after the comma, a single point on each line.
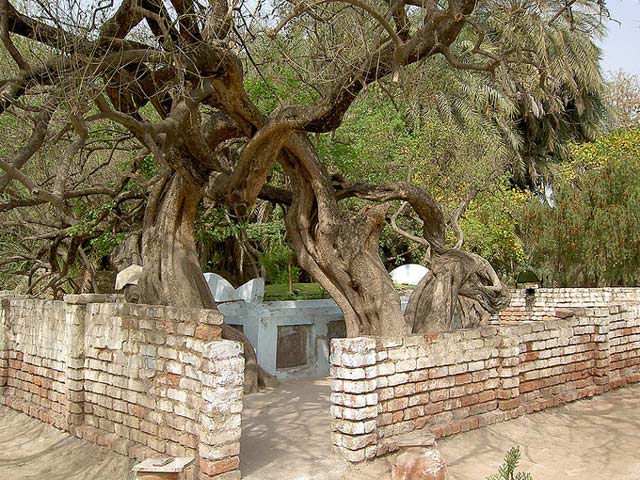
[172, 274]
[340, 249]
[461, 290]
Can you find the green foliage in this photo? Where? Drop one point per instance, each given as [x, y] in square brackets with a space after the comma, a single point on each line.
[590, 237]
[565, 102]
[301, 291]
[88, 217]
[507, 470]
[439, 140]
[619, 144]
[149, 167]
[490, 227]
[105, 244]
[276, 264]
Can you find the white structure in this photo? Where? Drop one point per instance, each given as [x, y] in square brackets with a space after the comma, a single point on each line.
[409, 274]
[291, 338]
[129, 276]
[223, 291]
[301, 325]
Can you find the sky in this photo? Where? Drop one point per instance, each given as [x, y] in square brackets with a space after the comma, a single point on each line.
[621, 47]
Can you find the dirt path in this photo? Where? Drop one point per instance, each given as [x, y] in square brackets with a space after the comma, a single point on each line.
[286, 434]
[30, 449]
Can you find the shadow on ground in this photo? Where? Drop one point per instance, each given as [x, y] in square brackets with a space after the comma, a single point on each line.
[286, 434]
[30, 449]
[596, 439]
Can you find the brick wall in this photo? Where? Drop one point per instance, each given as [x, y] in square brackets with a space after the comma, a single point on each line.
[544, 302]
[35, 364]
[141, 380]
[384, 389]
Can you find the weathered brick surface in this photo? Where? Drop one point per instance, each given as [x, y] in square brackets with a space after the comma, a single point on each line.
[456, 381]
[546, 301]
[141, 380]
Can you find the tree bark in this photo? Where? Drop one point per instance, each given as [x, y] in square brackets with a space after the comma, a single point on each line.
[460, 291]
[171, 267]
[339, 248]
[172, 274]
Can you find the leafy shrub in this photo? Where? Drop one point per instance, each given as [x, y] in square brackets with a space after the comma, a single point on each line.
[507, 470]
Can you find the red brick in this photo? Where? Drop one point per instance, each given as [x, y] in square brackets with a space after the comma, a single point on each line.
[166, 326]
[463, 378]
[486, 396]
[404, 390]
[168, 379]
[208, 332]
[509, 404]
[130, 323]
[136, 410]
[396, 417]
[188, 440]
[397, 404]
[210, 467]
[439, 395]
[470, 400]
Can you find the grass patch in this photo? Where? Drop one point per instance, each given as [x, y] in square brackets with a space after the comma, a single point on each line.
[305, 291]
[301, 291]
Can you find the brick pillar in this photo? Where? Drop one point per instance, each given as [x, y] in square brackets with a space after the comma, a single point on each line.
[354, 401]
[4, 345]
[75, 311]
[601, 353]
[220, 419]
[508, 371]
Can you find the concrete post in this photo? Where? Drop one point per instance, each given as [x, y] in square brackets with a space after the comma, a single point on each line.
[602, 357]
[354, 400]
[220, 417]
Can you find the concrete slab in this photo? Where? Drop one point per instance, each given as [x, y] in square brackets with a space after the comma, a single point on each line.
[30, 449]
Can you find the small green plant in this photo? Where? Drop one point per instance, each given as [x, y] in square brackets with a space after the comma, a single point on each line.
[507, 470]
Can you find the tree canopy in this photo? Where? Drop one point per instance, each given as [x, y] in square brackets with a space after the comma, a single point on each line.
[588, 237]
[141, 110]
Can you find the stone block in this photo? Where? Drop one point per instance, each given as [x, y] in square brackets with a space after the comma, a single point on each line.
[354, 413]
[217, 467]
[222, 349]
[354, 442]
[354, 456]
[348, 373]
[407, 365]
[397, 379]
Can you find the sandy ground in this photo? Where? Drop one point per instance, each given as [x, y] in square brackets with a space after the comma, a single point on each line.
[596, 439]
[286, 436]
[30, 449]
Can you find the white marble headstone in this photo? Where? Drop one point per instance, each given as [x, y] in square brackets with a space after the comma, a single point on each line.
[409, 274]
[223, 291]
